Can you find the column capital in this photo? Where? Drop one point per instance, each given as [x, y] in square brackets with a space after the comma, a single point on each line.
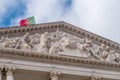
[54, 75]
[9, 70]
[95, 77]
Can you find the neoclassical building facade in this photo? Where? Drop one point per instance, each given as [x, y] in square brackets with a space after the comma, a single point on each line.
[57, 51]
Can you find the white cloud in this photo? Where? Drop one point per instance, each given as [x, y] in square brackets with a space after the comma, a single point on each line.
[42, 10]
[98, 16]
[4, 6]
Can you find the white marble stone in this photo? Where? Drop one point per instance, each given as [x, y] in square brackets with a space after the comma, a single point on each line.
[61, 43]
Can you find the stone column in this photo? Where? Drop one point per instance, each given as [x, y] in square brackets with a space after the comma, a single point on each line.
[1, 69]
[9, 73]
[54, 75]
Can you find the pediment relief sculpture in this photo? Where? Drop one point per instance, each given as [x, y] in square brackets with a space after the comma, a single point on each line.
[60, 42]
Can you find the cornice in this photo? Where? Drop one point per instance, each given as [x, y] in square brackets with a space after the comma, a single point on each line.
[91, 36]
[62, 26]
[58, 58]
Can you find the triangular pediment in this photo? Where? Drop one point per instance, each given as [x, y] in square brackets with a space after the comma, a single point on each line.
[62, 39]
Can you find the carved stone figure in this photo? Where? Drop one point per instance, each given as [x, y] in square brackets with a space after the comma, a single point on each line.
[60, 42]
[2, 39]
[36, 35]
[68, 43]
[40, 44]
[117, 57]
[111, 56]
[18, 45]
[25, 46]
[43, 40]
[35, 41]
[86, 46]
[21, 44]
[55, 48]
[9, 43]
[101, 49]
[57, 35]
[65, 42]
[104, 54]
[88, 49]
[26, 38]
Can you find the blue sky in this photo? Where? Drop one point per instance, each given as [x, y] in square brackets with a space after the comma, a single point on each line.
[101, 17]
[13, 11]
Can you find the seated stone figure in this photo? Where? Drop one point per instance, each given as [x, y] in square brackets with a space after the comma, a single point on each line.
[25, 46]
[54, 43]
[104, 52]
[117, 57]
[65, 42]
[21, 44]
[2, 39]
[101, 49]
[111, 56]
[26, 38]
[40, 44]
[55, 47]
[86, 46]
[88, 49]
[9, 43]
[68, 43]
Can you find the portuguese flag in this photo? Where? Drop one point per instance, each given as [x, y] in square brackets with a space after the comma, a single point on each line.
[28, 21]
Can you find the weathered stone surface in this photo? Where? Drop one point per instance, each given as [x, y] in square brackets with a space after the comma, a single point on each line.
[61, 43]
[57, 51]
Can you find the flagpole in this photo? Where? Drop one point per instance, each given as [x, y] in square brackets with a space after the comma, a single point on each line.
[34, 17]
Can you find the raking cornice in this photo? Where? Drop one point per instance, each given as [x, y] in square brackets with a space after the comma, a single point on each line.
[12, 31]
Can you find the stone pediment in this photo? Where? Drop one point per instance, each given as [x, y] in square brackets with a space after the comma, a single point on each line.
[60, 39]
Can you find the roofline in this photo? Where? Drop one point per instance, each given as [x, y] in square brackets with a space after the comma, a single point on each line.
[93, 33]
[63, 26]
[9, 27]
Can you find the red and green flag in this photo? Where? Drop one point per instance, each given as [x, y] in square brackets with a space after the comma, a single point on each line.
[28, 21]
